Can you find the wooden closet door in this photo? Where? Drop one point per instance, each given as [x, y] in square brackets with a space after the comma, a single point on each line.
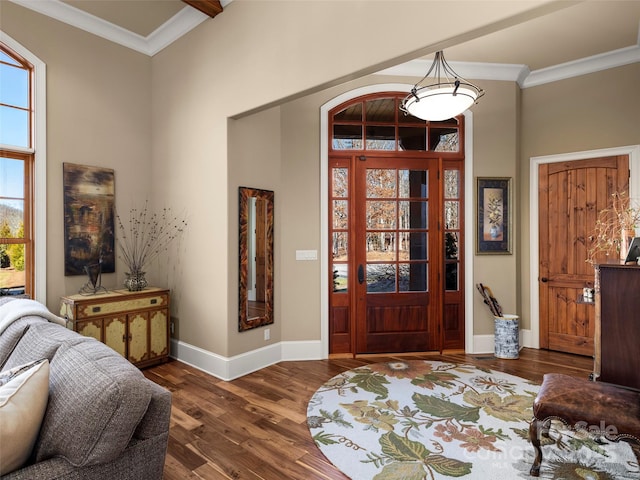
[570, 196]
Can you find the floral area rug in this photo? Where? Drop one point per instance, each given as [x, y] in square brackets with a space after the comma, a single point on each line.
[417, 420]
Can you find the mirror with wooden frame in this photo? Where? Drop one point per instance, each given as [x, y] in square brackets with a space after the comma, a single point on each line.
[256, 258]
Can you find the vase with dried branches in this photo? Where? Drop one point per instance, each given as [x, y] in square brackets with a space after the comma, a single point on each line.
[143, 238]
[614, 229]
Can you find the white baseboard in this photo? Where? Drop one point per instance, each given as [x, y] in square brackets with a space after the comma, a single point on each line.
[486, 343]
[303, 350]
[483, 344]
[527, 340]
[229, 368]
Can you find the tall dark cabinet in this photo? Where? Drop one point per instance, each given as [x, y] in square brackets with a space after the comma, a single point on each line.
[617, 337]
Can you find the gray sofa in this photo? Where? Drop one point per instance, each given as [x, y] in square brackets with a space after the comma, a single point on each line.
[104, 419]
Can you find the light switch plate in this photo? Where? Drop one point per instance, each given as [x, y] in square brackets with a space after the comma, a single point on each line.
[306, 254]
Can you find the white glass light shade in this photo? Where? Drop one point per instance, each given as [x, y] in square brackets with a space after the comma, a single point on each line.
[437, 102]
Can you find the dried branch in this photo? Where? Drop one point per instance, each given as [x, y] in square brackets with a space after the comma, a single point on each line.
[146, 235]
[613, 226]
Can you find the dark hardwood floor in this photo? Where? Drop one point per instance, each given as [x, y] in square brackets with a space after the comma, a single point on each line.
[254, 427]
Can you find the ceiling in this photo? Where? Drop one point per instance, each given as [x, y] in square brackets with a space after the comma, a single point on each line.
[587, 36]
[579, 31]
[140, 17]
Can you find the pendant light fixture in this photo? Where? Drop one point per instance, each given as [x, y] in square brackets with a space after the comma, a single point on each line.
[450, 96]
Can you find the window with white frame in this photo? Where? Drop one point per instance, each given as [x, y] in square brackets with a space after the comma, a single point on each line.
[17, 158]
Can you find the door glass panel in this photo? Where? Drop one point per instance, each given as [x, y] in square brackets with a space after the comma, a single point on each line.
[413, 214]
[451, 214]
[451, 246]
[413, 246]
[381, 246]
[353, 113]
[451, 276]
[453, 224]
[413, 183]
[340, 182]
[451, 184]
[340, 214]
[444, 139]
[381, 278]
[408, 118]
[381, 215]
[412, 138]
[381, 110]
[340, 246]
[340, 282]
[413, 277]
[347, 137]
[381, 183]
[404, 222]
[381, 138]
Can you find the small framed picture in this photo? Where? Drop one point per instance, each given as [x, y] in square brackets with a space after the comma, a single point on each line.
[493, 226]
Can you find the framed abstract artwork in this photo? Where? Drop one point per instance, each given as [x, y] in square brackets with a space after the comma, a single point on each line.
[89, 197]
[493, 226]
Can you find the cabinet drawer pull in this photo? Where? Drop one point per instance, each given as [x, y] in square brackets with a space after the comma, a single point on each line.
[154, 301]
[95, 309]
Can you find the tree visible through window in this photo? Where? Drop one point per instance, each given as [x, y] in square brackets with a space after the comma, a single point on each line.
[16, 173]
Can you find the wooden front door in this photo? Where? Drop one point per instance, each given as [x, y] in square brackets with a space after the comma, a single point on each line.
[396, 229]
[396, 254]
[570, 196]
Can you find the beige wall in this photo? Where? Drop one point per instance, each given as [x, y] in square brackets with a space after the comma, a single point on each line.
[495, 154]
[163, 125]
[495, 137]
[255, 161]
[253, 56]
[98, 113]
[589, 112]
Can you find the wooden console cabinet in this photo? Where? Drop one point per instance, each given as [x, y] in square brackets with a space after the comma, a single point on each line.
[617, 336]
[134, 324]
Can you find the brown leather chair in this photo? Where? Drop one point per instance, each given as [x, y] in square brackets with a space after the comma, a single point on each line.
[607, 410]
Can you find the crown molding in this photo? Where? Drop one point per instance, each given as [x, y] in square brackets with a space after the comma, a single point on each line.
[188, 18]
[583, 66]
[521, 73]
[184, 21]
[475, 70]
[180, 24]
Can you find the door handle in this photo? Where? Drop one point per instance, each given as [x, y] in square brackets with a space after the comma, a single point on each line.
[544, 279]
[360, 274]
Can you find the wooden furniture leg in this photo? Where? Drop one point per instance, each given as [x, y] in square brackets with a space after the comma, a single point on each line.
[537, 429]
